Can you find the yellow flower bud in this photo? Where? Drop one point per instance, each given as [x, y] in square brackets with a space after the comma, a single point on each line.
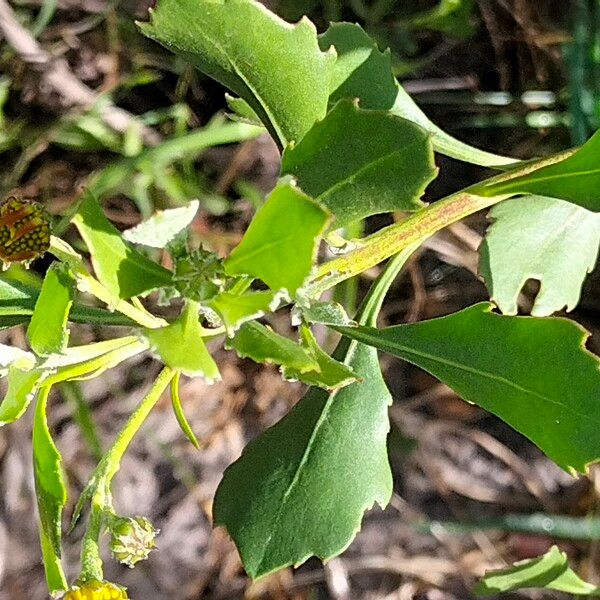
[97, 590]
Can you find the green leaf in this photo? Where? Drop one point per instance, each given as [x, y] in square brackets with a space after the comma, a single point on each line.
[542, 238]
[533, 373]
[301, 488]
[48, 332]
[22, 385]
[572, 176]
[121, 269]
[362, 71]
[181, 347]
[162, 227]
[281, 243]
[242, 111]
[117, 176]
[16, 298]
[233, 41]
[49, 480]
[17, 302]
[550, 571]
[326, 313]
[55, 576]
[330, 374]
[452, 17]
[352, 161]
[236, 309]
[90, 360]
[179, 414]
[263, 345]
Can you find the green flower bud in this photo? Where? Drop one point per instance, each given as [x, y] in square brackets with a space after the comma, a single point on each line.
[132, 539]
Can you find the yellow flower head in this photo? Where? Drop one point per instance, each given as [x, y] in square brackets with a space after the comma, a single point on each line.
[24, 230]
[97, 590]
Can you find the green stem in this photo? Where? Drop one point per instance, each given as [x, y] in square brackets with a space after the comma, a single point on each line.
[393, 239]
[91, 561]
[112, 459]
[423, 224]
[99, 486]
[378, 291]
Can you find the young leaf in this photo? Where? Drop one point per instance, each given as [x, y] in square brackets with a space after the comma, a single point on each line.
[162, 227]
[49, 480]
[572, 176]
[281, 243]
[522, 369]
[549, 240]
[301, 488]
[236, 309]
[353, 159]
[48, 332]
[330, 374]
[287, 88]
[261, 344]
[181, 347]
[550, 571]
[362, 71]
[121, 269]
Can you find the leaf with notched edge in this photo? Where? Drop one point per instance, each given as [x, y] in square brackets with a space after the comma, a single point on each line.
[533, 373]
[359, 163]
[276, 67]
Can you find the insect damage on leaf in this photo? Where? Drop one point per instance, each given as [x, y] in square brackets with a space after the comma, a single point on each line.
[24, 230]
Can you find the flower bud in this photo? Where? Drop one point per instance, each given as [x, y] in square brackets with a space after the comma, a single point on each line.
[132, 539]
[24, 230]
[96, 590]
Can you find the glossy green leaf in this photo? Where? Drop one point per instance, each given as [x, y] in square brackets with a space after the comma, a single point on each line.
[49, 479]
[121, 269]
[235, 309]
[362, 71]
[48, 332]
[288, 88]
[181, 346]
[301, 488]
[330, 375]
[263, 345]
[179, 414]
[162, 227]
[281, 243]
[353, 160]
[550, 571]
[541, 238]
[572, 176]
[533, 373]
